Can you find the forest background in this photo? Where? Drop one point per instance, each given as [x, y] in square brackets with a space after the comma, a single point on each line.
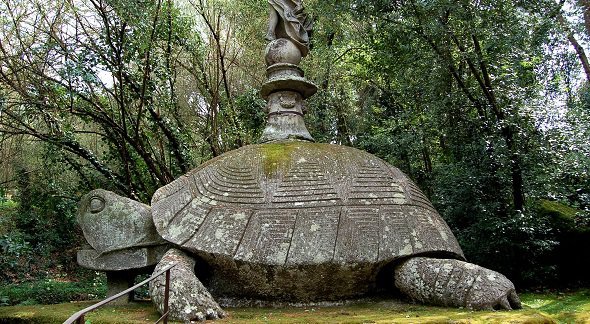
[484, 104]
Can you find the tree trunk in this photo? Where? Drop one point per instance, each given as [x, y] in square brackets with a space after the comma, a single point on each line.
[585, 4]
[572, 39]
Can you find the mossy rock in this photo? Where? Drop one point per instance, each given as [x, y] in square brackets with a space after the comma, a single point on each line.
[561, 215]
[570, 256]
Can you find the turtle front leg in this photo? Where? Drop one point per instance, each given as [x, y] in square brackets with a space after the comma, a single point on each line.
[189, 300]
[448, 282]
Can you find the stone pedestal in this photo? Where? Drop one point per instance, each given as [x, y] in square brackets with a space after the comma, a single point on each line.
[118, 281]
[121, 267]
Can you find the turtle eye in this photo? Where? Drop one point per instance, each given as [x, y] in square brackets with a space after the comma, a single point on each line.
[96, 205]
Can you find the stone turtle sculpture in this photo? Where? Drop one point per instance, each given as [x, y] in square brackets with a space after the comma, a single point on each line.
[298, 221]
[292, 220]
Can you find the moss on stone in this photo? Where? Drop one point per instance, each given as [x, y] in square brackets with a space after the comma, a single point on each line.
[277, 155]
[557, 209]
[561, 216]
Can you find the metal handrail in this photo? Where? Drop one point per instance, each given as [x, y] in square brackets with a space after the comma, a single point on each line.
[78, 317]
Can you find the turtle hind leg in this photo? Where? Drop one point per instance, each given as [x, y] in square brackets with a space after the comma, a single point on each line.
[448, 282]
[189, 300]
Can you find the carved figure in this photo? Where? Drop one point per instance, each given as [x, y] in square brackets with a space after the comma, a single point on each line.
[288, 20]
[300, 221]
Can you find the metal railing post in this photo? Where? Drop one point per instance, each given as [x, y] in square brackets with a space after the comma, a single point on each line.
[78, 317]
[166, 296]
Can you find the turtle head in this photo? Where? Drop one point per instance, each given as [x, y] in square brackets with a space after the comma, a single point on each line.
[111, 222]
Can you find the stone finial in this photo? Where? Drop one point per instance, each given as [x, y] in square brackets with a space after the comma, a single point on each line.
[286, 87]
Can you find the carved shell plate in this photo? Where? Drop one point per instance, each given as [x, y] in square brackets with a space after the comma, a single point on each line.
[298, 203]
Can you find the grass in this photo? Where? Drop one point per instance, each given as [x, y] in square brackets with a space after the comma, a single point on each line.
[571, 307]
[563, 307]
[140, 312]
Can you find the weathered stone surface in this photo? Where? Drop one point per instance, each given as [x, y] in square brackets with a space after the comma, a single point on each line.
[286, 87]
[455, 283]
[314, 237]
[221, 231]
[282, 51]
[189, 300]
[299, 221]
[111, 222]
[126, 259]
[265, 203]
[285, 118]
[267, 238]
[123, 239]
[293, 283]
[282, 82]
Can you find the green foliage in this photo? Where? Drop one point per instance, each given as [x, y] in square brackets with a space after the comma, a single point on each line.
[45, 216]
[7, 209]
[49, 291]
[571, 232]
[525, 237]
[6, 204]
[249, 116]
[35, 232]
[13, 247]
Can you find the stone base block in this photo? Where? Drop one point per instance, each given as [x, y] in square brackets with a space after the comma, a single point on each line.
[118, 281]
[127, 259]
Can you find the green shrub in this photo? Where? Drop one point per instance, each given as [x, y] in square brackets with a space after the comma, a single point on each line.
[38, 234]
[51, 292]
[7, 211]
[566, 217]
[13, 246]
[7, 204]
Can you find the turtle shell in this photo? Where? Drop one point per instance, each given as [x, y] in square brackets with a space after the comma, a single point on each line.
[298, 203]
